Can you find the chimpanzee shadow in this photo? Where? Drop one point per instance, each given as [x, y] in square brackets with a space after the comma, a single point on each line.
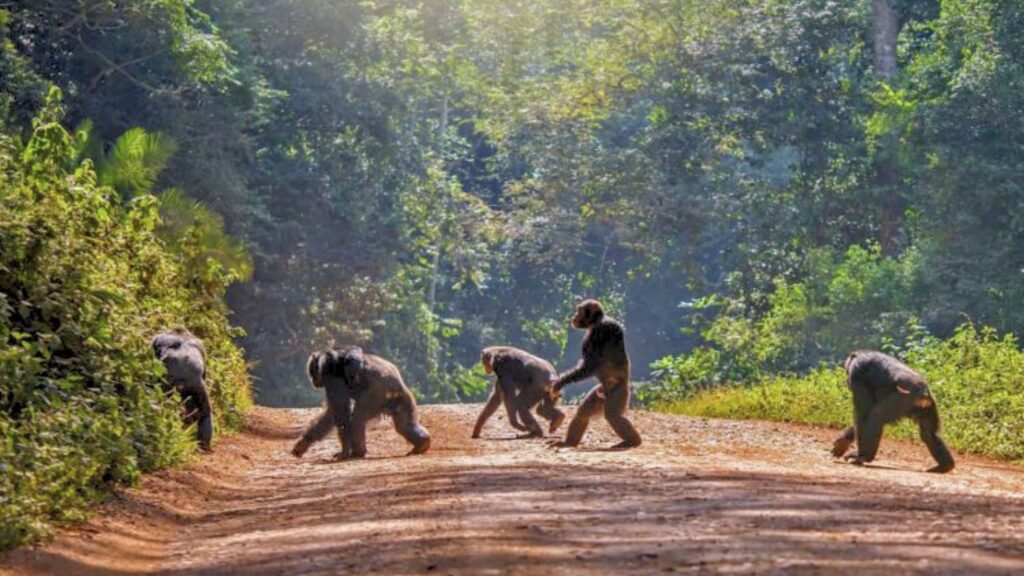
[325, 461]
[605, 449]
[879, 467]
[590, 449]
[518, 438]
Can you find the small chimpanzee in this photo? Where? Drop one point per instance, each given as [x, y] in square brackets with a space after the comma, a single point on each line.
[522, 382]
[184, 359]
[884, 391]
[604, 356]
[375, 387]
[336, 370]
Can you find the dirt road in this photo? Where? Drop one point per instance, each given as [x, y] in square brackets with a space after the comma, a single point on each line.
[700, 497]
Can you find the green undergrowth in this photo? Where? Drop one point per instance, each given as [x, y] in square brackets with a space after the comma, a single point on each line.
[976, 376]
[85, 282]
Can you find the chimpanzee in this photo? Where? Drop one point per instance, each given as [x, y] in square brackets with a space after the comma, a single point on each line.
[336, 370]
[184, 358]
[522, 382]
[604, 357]
[360, 387]
[884, 391]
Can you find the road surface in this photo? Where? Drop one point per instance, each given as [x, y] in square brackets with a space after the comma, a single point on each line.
[699, 497]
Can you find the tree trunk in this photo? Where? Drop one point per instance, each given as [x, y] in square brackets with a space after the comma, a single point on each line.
[887, 28]
[887, 172]
[436, 262]
[433, 350]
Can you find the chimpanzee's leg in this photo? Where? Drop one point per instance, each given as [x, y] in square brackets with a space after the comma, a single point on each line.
[551, 413]
[615, 407]
[592, 405]
[928, 424]
[407, 425]
[889, 409]
[492, 405]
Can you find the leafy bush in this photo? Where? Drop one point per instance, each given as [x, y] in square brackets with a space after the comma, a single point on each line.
[471, 382]
[857, 300]
[678, 377]
[975, 375]
[85, 281]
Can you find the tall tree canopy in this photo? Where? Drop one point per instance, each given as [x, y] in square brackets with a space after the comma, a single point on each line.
[429, 177]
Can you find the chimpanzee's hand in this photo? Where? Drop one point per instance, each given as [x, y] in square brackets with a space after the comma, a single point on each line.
[554, 394]
[854, 459]
[300, 447]
[840, 446]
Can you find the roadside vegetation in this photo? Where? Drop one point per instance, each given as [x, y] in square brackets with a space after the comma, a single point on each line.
[88, 274]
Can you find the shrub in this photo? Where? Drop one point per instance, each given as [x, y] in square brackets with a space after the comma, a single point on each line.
[858, 300]
[84, 284]
[975, 375]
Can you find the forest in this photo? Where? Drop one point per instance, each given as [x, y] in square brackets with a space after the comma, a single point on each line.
[753, 187]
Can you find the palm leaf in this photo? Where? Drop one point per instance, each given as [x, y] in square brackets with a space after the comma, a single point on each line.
[86, 144]
[135, 162]
[179, 214]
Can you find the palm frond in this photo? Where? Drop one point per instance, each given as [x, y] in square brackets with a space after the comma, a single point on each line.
[86, 144]
[135, 162]
[180, 214]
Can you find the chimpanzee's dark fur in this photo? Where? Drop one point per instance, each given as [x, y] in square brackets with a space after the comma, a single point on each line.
[360, 387]
[604, 357]
[184, 358]
[522, 382]
[884, 391]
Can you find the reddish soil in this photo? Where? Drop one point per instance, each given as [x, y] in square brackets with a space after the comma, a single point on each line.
[700, 497]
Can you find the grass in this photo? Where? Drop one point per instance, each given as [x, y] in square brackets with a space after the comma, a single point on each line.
[976, 377]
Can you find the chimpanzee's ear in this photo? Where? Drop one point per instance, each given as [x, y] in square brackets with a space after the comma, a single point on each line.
[487, 360]
[315, 369]
[849, 360]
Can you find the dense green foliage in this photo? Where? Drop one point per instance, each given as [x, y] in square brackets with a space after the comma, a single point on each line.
[426, 178]
[85, 282]
[974, 376]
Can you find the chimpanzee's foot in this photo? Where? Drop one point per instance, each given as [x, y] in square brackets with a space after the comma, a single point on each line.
[840, 446]
[625, 445]
[556, 444]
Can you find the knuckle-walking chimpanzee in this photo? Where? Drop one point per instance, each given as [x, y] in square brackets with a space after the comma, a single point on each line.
[184, 358]
[604, 357]
[360, 387]
[522, 382]
[884, 391]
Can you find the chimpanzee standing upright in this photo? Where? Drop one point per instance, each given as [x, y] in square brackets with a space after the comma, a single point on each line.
[605, 358]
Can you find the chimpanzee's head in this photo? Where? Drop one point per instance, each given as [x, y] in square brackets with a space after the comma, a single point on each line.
[487, 359]
[588, 313]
